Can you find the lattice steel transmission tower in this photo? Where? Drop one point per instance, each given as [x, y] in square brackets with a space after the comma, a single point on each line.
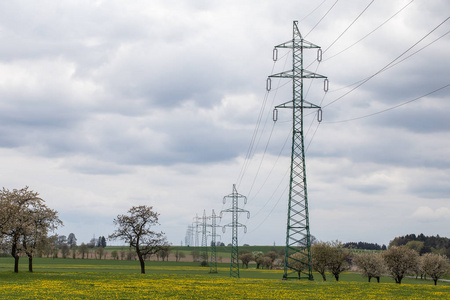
[196, 222]
[235, 225]
[204, 250]
[213, 225]
[298, 238]
[187, 239]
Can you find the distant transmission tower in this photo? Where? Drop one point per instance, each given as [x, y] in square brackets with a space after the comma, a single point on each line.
[213, 265]
[187, 238]
[298, 239]
[204, 250]
[196, 222]
[235, 210]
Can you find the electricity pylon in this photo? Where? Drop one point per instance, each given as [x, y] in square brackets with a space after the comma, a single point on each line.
[213, 225]
[235, 210]
[298, 238]
[196, 222]
[204, 250]
[187, 239]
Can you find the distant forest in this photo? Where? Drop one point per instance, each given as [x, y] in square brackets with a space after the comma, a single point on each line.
[421, 243]
[424, 244]
[364, 246]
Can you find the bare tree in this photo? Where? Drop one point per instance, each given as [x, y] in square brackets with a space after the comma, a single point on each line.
[435, 265]
[399, 261]
[136, 229]
[370, 264]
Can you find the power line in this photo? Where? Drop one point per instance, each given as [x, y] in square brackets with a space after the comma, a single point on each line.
[387, 66]
[252, 145]
[394, 64]
[391, 108]
[348, 27]
[378, 27]
[304, 18]
[322, 18]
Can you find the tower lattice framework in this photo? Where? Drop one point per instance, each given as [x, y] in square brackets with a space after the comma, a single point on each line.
[298, 237]
[213, 260]
[235, 225]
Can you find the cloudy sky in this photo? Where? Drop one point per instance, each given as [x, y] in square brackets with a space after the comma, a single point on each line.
[109, 104]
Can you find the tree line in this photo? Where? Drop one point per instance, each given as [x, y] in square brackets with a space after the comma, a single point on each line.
[364, 246]
[26, 222]
[424, 244]
[335, 258]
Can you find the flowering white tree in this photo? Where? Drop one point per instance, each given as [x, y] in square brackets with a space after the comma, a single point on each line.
[370, 264]
[399, 261]
[435, 265]
[25, 221]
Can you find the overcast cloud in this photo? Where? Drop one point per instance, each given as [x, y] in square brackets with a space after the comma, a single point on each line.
[109, 104]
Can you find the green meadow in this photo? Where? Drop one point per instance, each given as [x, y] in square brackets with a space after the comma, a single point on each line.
[120, 279]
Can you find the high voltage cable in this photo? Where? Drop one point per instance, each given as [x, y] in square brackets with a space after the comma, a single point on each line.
[322, 18]
[385, 67]
[260, 162]
[273, 167]
[382, 24]
[348, 27]
[391, 108]
[252, 141]
[313, 10]
[393, 65]
[273, 208]
[255, 134]
[271, 197]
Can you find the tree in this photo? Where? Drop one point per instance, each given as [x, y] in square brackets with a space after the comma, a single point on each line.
[258, 258]
[24, 221]
[295, 260]
[83, 249]
[267, 262]
[136, 229]
[61, 240]
[103, 242]
[320, 255]
[246, 258]
[100, 251]
[43, 221]
[415, 245]
[435, 265]
[71, 240]
[195, 255]
[163, 253]
[400, 260]
[65, 250]
[370, 264]
[114, 254]
[272, 254]
[337, 261]
[179, 255]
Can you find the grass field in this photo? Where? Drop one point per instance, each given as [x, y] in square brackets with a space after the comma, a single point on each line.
[108, 279]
